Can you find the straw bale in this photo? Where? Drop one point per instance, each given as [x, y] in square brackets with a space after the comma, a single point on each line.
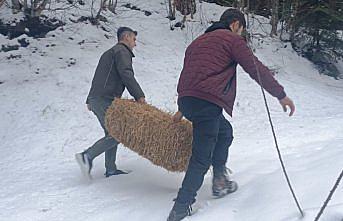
[150, 132]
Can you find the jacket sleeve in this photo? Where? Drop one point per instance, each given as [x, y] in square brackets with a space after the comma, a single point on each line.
[243, 55]
[123, 60]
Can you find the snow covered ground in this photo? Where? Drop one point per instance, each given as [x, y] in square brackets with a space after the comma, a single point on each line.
[44, 122]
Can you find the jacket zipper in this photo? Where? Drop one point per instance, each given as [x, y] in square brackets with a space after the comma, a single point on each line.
[108, 74]
[229, 83]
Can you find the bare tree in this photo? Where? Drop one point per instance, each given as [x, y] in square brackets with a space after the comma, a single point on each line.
[107, 4]
[186, 7]
[246, 12]
[2, 2]
[40, 7]
[291, 23]
[32, 10]
[102, 6]
[16, 6]
[171, 11]
[275, 17]
[112, 5]
[25, 5]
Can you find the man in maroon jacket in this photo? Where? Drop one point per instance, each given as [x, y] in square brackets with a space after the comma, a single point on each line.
[207, 85]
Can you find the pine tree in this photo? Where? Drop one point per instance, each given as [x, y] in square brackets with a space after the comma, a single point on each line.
[319, 22]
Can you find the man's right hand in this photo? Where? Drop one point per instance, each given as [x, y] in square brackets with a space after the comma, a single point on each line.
[141, 100]
[287, 102]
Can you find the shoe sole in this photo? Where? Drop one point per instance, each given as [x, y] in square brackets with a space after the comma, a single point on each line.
[125, 172]
[84, 169]
[221, 194]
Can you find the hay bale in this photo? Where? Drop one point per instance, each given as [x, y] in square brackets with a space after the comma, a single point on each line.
[150, 132]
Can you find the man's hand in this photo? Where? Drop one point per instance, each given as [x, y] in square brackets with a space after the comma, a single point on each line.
[287, 102]
[141, 100]
[177, 117]
[89, 107]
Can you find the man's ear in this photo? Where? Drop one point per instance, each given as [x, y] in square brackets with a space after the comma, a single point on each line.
[125, 36]
[237, 24]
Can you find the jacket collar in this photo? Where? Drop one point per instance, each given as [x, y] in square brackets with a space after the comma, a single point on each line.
[216, 26]
[127, 47]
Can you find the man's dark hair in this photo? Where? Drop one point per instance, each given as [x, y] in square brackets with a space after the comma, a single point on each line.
[124, 30]
[231, 15]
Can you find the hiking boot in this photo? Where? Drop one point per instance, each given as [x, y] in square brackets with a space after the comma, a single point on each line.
[222, 185]
[85, 164]
[179, 211]
[115, 172]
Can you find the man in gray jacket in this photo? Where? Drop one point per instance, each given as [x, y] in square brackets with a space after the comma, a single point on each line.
[113, 74]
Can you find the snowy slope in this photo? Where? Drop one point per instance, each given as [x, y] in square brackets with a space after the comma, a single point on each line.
[44, 121]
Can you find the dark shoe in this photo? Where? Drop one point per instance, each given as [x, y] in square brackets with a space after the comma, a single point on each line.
[115, 172]
[85, 164]
[179, 211]
[222, 185]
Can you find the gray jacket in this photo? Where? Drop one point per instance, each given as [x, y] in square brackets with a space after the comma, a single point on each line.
[114, 73]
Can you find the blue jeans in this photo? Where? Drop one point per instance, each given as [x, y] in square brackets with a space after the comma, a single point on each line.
[107, 144]
[212, 137]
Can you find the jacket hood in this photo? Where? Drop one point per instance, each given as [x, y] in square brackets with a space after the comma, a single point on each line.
[217, 25]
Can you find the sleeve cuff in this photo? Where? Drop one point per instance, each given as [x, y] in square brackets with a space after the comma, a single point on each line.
[282, 95]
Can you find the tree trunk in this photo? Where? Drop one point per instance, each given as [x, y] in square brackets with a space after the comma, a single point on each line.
[32, 13]
[25, 5]
[39, 9]
[92, 9]
[275, 17]
[103, 4]
[100, 8]
[171, 15]
[15, 6]
[247, 11]
[193, 5]
[285, 16]
[333, 4]
[2, 2]
[34, 9]
[112, 6]
[241, 4]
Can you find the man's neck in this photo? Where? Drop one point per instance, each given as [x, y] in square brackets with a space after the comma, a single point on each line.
[126, 44]
[128, 48]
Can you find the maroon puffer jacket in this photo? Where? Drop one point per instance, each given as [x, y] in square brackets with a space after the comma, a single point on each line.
[207, 73]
